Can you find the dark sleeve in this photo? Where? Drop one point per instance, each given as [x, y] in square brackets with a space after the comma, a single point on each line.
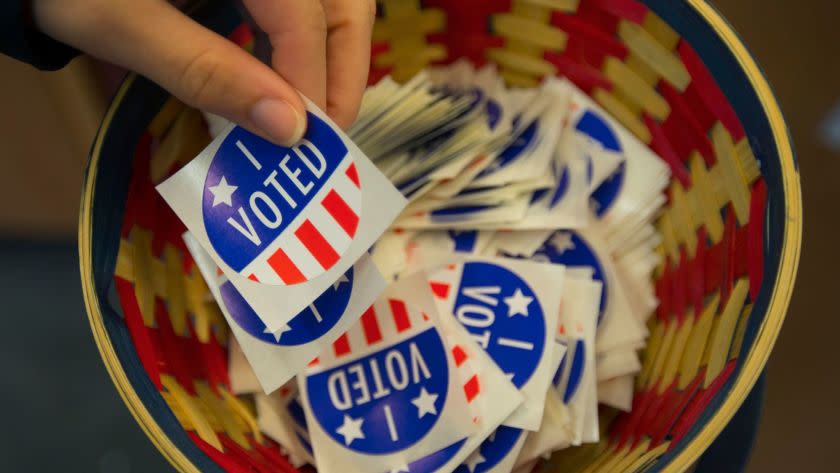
[20, 39]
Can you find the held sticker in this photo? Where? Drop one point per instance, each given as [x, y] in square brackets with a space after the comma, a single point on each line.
[255, 192]
[283, 223]
[386, 393]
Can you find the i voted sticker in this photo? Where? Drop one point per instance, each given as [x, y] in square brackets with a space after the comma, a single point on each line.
[594, 126]
[283, 223]
[509, 307]
[502, 313]
[569, 248]
[309, 325]
[282, 215]
[387, 390]
[277, 355]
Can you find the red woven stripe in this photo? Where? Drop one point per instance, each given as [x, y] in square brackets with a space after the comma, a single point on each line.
[400, 314]
[353, 174]
[370, 325]
[317, 244]
[342, 345]
[341, 212]
[285, 268]
[471, 388]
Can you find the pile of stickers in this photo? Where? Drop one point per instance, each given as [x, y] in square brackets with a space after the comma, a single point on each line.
[456, 286]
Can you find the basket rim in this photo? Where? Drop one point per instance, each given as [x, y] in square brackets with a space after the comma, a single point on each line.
[752, 364]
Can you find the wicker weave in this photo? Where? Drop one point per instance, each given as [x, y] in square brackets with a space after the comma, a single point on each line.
[633, 64]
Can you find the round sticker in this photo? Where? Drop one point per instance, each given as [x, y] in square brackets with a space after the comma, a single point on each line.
[603, 198]
[492, 451]
[391, 396]
[433, 462]
[282, 215]
[309, 324]
[514, 151]
[504, 316]
[568, 248]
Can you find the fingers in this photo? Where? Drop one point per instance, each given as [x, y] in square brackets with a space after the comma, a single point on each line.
[198, 66]
[349, 24]
[297, 30]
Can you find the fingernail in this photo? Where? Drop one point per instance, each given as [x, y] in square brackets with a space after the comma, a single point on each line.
[278, 120]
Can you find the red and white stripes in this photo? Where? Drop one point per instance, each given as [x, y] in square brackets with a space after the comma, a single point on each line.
[315, 243]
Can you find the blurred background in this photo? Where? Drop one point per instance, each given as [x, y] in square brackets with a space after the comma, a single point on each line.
[62, 413]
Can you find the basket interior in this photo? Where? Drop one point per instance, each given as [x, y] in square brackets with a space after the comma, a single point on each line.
[657, 66]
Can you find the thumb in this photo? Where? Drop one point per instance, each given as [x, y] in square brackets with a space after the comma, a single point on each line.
[195, 64]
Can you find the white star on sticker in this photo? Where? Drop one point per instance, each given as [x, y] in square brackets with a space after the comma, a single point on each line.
[518, 303]
[351, 429]
[562, 241]
[401, 469]
[278, 333]
[473, 461]
[341, 280]
[222, 192]
[425, 403]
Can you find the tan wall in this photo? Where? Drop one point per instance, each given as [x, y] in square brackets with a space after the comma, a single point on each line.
[46, 127]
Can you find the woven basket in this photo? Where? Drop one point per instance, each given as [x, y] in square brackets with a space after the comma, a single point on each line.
[672, 72]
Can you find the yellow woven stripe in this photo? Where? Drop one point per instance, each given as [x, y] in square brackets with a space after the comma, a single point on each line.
[695, 347]
[630, 457]
[559, 5]
[536, 67]
[400, 8]
[635, 88]
[654, 345]
[164, 118]
[191, 411]
[423, 22]
[653, 53]
[662, 355]
[734, 182]
[750, 166]
[738, 338]
[185, 139]
[660, 31]
[682, 218]
[531, 11]
[225, 418]
[717, 351]
[176, 303]
[516, 79]
[624, 115]
[179, 413]
[641, 463]
[244, 414]
[528, 31]
[678, 348]
[608, 462]
[703, 193]
[669, 237]
[641, 69]
[144, 276]
[184, 293]
[575, 459]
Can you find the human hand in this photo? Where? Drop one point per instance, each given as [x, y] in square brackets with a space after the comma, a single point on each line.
[320, 47]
